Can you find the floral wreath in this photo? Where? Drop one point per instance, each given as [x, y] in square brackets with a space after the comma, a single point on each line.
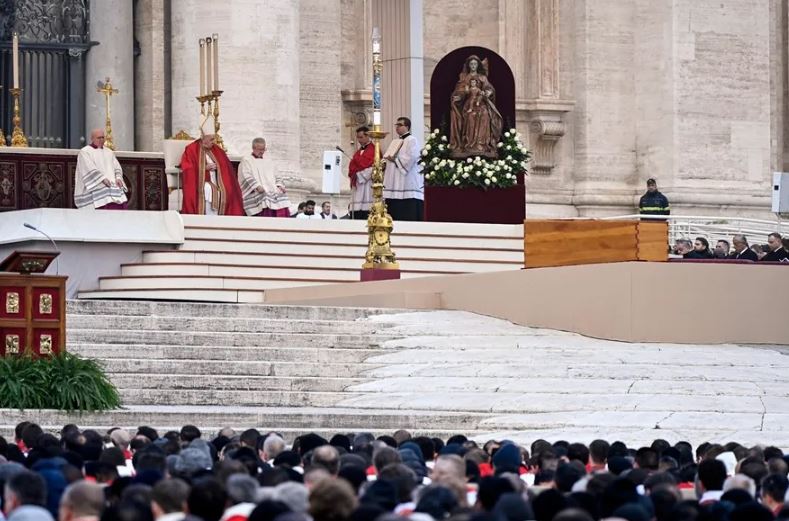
[440, 169]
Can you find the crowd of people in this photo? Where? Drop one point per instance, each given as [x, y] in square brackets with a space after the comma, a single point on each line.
[85, 475]
[776, 249]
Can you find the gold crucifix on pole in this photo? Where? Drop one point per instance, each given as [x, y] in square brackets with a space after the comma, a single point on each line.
[106, 89]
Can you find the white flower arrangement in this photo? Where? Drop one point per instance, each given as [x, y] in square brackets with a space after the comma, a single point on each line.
[441, 169]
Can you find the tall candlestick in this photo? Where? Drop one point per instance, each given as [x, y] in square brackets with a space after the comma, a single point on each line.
[379, 254]
[202, 67]
[215, 38]
[15, 53]
[209, 55]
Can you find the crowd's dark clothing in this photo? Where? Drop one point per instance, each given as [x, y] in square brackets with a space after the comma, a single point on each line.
[779, 255]
[694, 254]
[654, 203]
[746, 254]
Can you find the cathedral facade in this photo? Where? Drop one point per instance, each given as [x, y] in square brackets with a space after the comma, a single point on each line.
[608, 92]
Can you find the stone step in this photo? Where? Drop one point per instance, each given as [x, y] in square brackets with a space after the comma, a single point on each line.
[236, 398]
[185, 295]
[225, 324]
[208, 283]
[288, 419]
[196, 309]
[146, 367]
[514, 254]
[253, 260]
[230, 224]
[204, 338]
[238, 354]
[359, 238]
[292, 271]
[165, 382]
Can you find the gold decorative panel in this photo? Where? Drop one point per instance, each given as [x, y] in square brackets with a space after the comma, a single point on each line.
[12, 344]
[45, 345]
[12, 302]
[45, 304]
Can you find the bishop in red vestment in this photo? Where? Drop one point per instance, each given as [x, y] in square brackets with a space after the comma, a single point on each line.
[360, 172]
[210, 183]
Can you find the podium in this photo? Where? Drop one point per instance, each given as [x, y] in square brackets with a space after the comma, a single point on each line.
[32, 306]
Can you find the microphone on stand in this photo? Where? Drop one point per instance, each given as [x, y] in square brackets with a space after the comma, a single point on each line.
[339, 148]
[54, 245]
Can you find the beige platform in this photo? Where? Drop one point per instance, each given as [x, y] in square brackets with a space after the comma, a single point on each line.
[631, 301]
[236, 259]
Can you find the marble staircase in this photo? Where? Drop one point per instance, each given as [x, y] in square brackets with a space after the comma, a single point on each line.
[235, 259]
[329, 369]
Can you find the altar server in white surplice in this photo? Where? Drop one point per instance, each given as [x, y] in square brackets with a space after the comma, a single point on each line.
[404, 184]
[98, 180]
[264, 195]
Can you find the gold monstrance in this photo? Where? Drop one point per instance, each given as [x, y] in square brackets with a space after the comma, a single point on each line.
[106, 89]
[379, 223]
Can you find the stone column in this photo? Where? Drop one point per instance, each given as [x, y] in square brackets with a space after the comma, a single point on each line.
[258, 72]
[544, 108]
[111, 26]
[605, 131]
[320, 83]
[403, 81]
[151, 101]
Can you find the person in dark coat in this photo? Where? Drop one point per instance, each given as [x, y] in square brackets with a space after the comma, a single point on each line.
[701, 249]
[741, 249]
[653, 202]
[777, 252]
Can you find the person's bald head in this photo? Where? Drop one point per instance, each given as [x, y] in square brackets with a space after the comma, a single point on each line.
[81, 499]
[97, 137]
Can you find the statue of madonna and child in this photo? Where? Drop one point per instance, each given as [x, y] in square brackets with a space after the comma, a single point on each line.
[475, 123]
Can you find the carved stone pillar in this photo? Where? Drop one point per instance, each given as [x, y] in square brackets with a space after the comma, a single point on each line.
[544, 107]
[111, 27]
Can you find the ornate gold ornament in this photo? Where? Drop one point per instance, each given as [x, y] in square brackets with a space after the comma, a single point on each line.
[183, 135]
[106, 89]
[45, 304]
[12, 344]
[18, 138]
[12, 302]
[379, 223]
[45, 345]
[32, 265]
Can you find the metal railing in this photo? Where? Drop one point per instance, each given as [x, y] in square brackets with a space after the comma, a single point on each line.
[714, 227]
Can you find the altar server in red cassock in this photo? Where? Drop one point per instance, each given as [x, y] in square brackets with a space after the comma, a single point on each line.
[360, 171]
[209, 180]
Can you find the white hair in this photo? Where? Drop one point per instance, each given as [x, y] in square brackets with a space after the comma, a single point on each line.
[740, 481]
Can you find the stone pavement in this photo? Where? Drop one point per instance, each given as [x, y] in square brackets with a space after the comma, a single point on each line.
[539, 383]
[298, 369]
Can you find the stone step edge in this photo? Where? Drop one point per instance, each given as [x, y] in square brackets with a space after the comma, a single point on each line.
[328, 322]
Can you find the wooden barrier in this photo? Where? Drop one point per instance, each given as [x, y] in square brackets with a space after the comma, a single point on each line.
[565, 242]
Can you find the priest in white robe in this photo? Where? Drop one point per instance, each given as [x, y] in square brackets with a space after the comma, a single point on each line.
[98, 183]
[264, 195]
[404, 184]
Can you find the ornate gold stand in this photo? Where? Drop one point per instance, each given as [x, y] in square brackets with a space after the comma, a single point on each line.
[212, 102]
[203, 100]
[18, 138]
[379, 222]
[217, 138]
[108, 91]
[2, 134]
